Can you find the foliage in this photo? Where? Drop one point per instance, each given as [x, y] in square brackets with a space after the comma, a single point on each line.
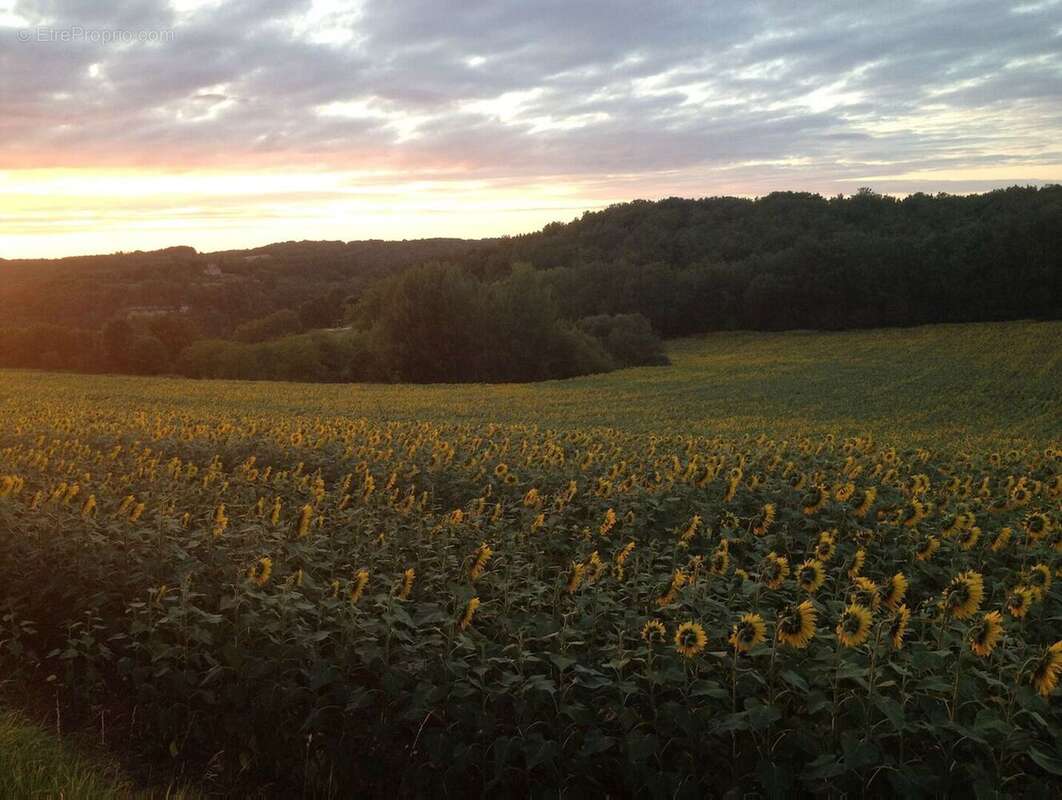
[273, 326]
[628, 338]
[440, 324]
[238, 559]
[784, 261]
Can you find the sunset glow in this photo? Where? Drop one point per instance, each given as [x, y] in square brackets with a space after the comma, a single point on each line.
[211, 124]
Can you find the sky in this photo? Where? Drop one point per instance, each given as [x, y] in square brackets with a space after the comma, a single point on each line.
[139, 124]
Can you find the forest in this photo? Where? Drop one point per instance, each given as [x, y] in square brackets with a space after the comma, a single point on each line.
[591, 295]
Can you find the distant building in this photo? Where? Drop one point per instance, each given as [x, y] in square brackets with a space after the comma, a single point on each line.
[213, 270]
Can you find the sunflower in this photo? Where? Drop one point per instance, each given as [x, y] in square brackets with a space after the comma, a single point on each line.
[720, 559]
[361, 580]
[1002, 539]
[865, 593]
[594, 568]
[765, 520]
[986, 634]
[855, 566]
[88, 508]
[621, 559]
[1045, 676]
[843, 491]
[963, 596]
[501, 470]
[748, 632]
[479, 565]
[690, 639]
[854, 625]
[575, 577]
[893, 592]
[826, 547]
[814, 500]
[408, 577]
[865, 501]
[678, 580]
[470, 611]
[1038, 579]
[260, 571]
[811, 575]
[654, 632]
[305, 518]
[968, 538]
[797, 626]
[775, 570]
[913, 514]
[1019, 601]
[608, 523]
[898, 626]
[927, 548]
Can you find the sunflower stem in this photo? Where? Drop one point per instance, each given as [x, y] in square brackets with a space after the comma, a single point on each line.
[872, 676]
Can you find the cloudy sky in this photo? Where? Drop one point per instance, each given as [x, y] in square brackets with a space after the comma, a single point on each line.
[233, 123]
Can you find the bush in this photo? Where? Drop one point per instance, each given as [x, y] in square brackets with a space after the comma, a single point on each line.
[628, 338]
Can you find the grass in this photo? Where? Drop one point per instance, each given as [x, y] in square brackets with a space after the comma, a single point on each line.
[34, 763]
[943, 385]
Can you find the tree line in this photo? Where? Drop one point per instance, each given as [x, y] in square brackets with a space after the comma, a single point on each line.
[586, 296]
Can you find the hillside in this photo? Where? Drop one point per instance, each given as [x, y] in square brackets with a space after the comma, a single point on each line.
[671, 268]
[943, 384]
[606, 584]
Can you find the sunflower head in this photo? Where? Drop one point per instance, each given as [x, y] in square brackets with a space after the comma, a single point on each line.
[1048, 670]
[654, 632]
[964, 594]
[748, 632]
[260, 572]
[898, 626]
[690, 639]
[811, 575]
[855, 566]
[814, 500]
[1019, 601]
[865, 593]
[796, 627]
[720, 559]
[986, 633]
[765, 519]
[893, 592]
[968, 537]
[1037, 525]
[1039, 580]
[1002, 539]
[854, 625]
[927, 548]
[826, 547]
[775, 570]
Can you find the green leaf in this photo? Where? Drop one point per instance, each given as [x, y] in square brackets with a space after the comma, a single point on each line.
[1052, 764]
[795, 680]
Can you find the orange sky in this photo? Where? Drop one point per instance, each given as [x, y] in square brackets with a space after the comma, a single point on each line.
[223, 124]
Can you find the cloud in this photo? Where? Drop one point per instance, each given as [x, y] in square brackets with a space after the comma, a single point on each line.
[615, 96]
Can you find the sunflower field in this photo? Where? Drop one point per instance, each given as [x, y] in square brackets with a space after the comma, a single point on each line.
[428, 590]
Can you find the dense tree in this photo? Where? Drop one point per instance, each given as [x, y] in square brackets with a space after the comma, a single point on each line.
[272, 326]
[508, 309]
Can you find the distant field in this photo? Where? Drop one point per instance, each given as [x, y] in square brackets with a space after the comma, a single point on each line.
[944, 384]
[793, 564]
